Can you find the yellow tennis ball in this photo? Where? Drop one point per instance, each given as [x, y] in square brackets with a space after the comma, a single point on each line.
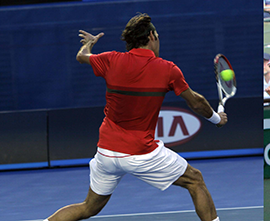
[227, 75]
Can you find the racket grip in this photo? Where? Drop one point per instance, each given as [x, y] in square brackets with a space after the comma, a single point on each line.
[220, 108]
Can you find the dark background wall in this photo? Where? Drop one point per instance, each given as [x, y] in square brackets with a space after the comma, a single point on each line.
[38, 45]
[62, 101]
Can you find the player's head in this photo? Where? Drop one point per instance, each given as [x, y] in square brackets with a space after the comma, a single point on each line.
[138, 31]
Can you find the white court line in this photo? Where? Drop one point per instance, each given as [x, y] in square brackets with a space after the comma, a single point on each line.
[171, 212]
[168, 212]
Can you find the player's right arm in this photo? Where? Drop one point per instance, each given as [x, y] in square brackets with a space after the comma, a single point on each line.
[200, 105]
[88, 40]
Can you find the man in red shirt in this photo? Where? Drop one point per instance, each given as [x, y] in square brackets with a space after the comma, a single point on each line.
[137, 82]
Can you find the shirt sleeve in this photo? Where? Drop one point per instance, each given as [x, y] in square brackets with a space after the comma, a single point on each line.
[100, 63]
[177, 82]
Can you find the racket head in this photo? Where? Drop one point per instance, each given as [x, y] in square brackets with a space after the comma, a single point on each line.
[228, 87]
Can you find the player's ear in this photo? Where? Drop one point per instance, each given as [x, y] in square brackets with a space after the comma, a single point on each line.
[152, 36]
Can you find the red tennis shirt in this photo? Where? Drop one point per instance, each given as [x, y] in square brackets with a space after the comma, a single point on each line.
[137, 82]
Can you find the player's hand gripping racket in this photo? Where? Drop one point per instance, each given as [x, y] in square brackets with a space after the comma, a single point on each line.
[226, 89]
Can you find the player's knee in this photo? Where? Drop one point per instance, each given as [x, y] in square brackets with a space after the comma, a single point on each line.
[191, 179]
[196, 179]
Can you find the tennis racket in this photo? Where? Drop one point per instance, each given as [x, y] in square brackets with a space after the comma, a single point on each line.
[226, 89]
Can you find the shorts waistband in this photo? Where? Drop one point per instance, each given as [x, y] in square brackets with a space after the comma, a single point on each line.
[114, 154]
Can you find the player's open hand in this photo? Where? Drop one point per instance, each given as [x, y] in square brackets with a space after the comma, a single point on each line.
[86, 37]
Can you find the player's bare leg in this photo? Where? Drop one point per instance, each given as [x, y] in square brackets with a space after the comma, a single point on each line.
[92, 205]
[204, 205]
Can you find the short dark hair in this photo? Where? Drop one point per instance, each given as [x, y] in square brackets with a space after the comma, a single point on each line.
[137, 31]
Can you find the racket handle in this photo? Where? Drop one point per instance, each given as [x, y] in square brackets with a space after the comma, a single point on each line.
[220, 108]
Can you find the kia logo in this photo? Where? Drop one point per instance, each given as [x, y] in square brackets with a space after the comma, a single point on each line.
[176, 126]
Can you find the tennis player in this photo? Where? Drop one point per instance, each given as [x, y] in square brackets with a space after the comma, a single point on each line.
[137, 82]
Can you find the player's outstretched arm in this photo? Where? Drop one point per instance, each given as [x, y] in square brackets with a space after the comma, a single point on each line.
[200, 105]
[88, 40]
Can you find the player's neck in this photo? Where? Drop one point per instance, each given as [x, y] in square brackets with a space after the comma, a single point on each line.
[149, 48]
[146, 47]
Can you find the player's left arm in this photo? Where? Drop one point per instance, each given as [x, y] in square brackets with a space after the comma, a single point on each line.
[88, 40]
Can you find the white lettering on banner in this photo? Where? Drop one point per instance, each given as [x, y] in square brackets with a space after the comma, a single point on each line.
[266, 154]
[176, 126]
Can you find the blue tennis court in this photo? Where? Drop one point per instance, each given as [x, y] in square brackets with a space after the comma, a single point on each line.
[236, 185]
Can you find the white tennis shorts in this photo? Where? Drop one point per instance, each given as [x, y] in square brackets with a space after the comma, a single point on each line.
[160, 168]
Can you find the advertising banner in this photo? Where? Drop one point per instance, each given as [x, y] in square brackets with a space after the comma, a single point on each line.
[266, 141]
